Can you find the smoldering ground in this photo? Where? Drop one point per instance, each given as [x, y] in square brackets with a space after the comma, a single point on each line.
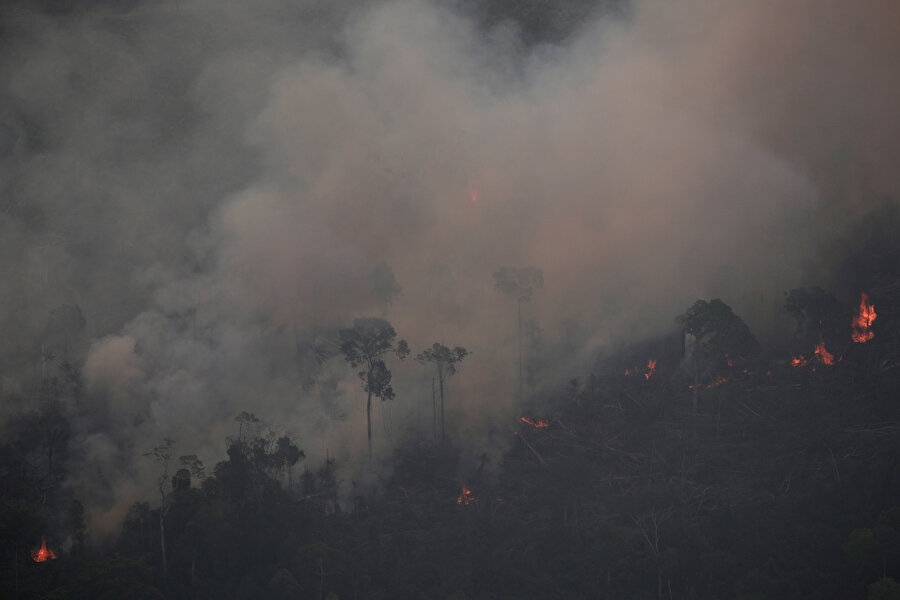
[213, 184]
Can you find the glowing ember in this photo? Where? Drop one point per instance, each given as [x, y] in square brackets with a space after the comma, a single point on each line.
[44, 554]
[539, 423]
[863, 320]
[799, 361]
[824, 355]
[647, 372]
[466, 497]
[651, 368]
[716, 383]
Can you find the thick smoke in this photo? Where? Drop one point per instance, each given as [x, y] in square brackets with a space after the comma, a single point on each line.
[213, 185]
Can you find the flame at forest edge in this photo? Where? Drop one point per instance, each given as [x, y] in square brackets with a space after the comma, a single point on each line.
[650, 370]
[539, 423]
[466, 496]
[863, 320]
[44, 553]
[823, 355]
[715, 383]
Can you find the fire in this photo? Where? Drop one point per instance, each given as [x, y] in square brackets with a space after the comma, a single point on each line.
[716, 383]
[648, 371]
[863, 320]
[799, 361]
[824, 355]
[44, 554]
[539, 423]
[466, 496]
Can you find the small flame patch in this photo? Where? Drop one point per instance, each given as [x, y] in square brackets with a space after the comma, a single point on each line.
[863, 320]
[44, 554]
[466, 496]
[540, 423]
[715, 383]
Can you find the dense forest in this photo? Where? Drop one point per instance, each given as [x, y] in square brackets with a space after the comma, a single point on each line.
[693, 465]
[451, 299]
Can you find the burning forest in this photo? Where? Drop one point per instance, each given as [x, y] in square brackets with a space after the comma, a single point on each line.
[433, 299]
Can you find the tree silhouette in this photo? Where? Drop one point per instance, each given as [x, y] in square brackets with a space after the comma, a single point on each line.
[365, 345]
[718, 335]
[520, 284]
[444, 360]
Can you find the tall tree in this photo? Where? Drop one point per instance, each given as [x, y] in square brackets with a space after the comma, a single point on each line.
[521, 285]
[162, 454]
[385, 285]
[718, 334]
[365, 345]
[444, 360]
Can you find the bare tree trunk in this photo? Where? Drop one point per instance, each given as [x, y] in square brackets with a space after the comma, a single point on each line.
[369, 420]
[519, 340]
[433, 411]
[441, 380]
[696, 396]
[162, 539]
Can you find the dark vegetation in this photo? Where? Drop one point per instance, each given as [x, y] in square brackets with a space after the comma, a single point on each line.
[717, 471]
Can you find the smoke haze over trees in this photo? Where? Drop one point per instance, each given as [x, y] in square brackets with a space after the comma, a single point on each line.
[197, 195]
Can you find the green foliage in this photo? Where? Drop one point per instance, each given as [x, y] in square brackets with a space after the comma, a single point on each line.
[819, 315]
[443, 358]
[520, 283]
[884, 589]
[110, 579]
[384, 283]
[283, 586]
[718, 332]
[861, 548]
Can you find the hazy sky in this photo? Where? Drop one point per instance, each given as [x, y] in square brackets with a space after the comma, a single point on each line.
[213, 182]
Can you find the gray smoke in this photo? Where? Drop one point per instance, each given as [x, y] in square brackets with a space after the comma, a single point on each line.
[213, 184]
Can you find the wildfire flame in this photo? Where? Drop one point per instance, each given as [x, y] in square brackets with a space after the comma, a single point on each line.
[648, 372]
[863, 320]
[44, 554]
[466, 496]
[716, 383]
[820, 353]
[824, 355]
[651, 369]
[539, 423]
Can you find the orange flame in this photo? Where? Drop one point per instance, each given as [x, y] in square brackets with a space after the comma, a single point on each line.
[539, 423]
[648, 372]
[863, 320]
[466, 497]
[651, 369]
[44, 554]
[718, 381]
[799, 361]
[824, 355]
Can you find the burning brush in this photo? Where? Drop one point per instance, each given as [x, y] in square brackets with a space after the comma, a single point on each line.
[44, 554]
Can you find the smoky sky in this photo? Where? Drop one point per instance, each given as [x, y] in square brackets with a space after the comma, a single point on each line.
[213, 185]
